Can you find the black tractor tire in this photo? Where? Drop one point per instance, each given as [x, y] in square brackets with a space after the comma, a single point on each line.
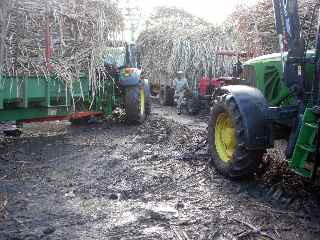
[148, 101]
[166, 96]
[148, 107]
[193, 105]
[243, 163]
[12, 133]
[133, 105]
[163, 97]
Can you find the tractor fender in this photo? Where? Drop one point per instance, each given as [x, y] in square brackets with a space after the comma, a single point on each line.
[133, 79]
[253, 108]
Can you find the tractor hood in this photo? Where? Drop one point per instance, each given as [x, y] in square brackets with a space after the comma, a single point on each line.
[266, 74]
[275, 57]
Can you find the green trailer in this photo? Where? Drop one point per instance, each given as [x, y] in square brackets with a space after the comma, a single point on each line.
[119, 84]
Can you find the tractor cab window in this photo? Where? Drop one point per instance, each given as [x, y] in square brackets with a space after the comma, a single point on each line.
[249, 75]
[115, 56]
[132, 56]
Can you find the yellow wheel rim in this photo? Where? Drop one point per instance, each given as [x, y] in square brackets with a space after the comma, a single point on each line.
[225, 137]
[142, 103]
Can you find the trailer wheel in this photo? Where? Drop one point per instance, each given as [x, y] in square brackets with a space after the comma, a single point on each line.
[193, 106]
[227, 144]
[12, 133]
[148, 102]
[135, 104]
[166, 96]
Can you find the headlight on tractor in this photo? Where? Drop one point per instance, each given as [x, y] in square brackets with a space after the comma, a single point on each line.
[128, 72]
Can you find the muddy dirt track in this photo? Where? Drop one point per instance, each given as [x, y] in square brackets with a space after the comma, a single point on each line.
[111, 181]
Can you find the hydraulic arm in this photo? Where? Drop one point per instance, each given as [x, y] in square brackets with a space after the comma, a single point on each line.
[302, 146]
[289, 31]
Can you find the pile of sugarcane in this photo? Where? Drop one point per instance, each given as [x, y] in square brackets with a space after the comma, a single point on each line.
[175, 40]
[253, 28]
[56, 37]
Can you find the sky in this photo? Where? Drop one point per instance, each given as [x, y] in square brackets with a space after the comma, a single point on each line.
[214, 11]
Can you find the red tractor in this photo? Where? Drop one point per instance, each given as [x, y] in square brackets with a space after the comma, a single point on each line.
[199, 95]
[200, 98]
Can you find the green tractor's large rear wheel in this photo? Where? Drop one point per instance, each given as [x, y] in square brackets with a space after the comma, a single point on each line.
[227, 143]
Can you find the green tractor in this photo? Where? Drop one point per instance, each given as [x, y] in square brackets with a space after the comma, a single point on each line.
[119, 84]
[278, 98]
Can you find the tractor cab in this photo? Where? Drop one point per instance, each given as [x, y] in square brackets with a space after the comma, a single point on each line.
[121, 64]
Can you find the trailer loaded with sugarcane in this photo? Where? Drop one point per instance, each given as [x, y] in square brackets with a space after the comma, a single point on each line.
[67, 60]
[41, 98]
[174, 41]
[278, 98]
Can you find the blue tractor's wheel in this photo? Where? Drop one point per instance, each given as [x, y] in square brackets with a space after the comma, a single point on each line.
[137, 103]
